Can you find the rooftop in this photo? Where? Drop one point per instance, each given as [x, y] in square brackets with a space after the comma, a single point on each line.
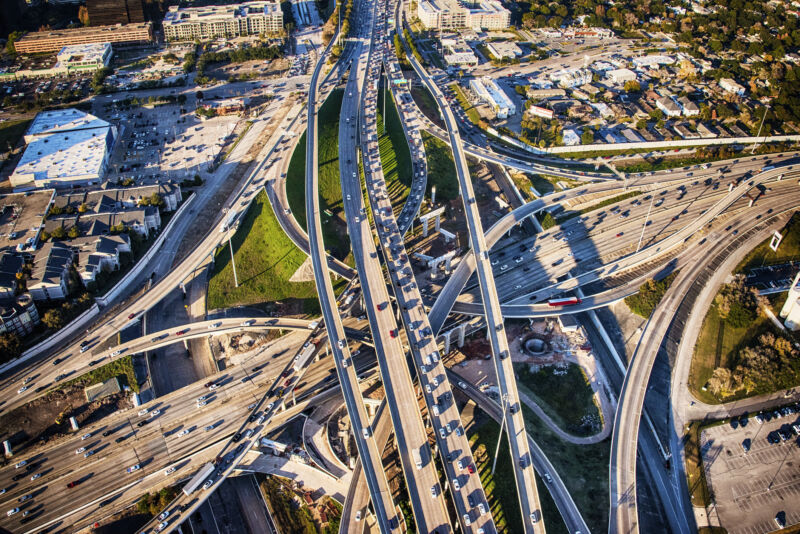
[62, 120]
[176, 15]
[64, 155]
[50, 262]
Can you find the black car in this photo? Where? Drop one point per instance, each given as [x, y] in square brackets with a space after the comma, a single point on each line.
[120, 439]
[109, 432]
[252, 418]
[237, 436]
[56, 361]
[140, 424]
[17, 477]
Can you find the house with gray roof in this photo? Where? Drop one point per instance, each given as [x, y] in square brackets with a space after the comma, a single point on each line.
[50, 273]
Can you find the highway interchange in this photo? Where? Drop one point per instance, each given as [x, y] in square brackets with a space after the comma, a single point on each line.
[679, 219]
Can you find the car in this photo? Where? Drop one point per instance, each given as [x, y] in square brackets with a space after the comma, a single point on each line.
[134, 467]
[25, 498]
[84, 348]
[12, 511]
[358, 515]
[441, 433]
[34, 477]
[73, 483]
[23, 389]
[155, 413]
[181, 332]
[548, 478]
[208, 484]
[393, 333]
[250, 322]
[17, 477]
[161, 526]
[23, 463]
[81, 450]
[780, 519]
[140, 424]
[183, 432]
[482, 509]
[237, 436]
[163, 515]
[131, 316]
[215, 325]
[88, 453]
[143, 412]
[120, 439]
[470, 468]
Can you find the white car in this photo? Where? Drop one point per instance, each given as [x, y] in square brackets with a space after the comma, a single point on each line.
[81, 450]
[163, 515]
[23, 463]
[143, 412]
[155, 413]
[12, 511]
[34, 477]
[162, 526]
[88, 453]
[183, 432]
[208, 484]
[23, 389]
[215, 325]
[133, 468]
[86, 436]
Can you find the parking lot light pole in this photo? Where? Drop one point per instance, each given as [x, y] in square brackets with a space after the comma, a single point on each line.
[775, 476]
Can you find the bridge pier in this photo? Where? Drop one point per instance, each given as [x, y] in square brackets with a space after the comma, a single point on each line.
[462, 331]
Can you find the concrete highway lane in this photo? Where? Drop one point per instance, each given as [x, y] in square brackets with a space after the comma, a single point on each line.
[370, 455]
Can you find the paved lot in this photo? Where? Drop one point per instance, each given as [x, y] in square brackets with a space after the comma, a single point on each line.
[752, 487]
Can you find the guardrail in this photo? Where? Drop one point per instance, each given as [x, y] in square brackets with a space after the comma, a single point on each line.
[137, 269]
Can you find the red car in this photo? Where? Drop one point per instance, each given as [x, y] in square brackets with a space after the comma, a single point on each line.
[620, 234]
[73, 483]
[131, 316]
[393, 333]
[181, 332]
[471, 468]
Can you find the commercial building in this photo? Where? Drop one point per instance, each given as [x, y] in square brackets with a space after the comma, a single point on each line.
[457, 52]
[108, 12]
[569, 78]
[227, 106]
[620, 76]
[488, 91]
[50, 272]
[90, 56]
[66, 147]
[248, 18]
[652, 62]
[452, 14]
[10, 265]
[504, 49]
[541, 112]
[55, 40]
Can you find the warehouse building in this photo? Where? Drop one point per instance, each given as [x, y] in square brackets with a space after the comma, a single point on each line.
[65, 147]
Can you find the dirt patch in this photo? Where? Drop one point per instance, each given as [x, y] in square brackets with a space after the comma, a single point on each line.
[36, 423]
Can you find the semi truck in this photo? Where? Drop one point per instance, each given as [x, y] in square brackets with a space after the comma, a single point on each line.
[198, 479]
[305, 354]
[417, 458]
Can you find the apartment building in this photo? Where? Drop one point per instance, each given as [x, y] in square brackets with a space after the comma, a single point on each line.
[55, 40]
[454, 14]
[209, 22]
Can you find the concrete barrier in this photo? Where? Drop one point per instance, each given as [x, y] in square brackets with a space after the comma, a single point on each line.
[56, 339]
[140, 265]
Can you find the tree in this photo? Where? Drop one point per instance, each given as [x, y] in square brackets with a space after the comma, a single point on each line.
[83, 15]
[73, 233]
[10, 346]
[83, 208]
[632, 86]
[587, 137]
[12, 38]
[53, 319]
[59, 232]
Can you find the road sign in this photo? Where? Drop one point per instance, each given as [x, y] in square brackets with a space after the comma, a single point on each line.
[776, 240]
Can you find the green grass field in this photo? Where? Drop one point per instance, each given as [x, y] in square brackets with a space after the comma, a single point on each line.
[788, 250]
[11, 132]
[265, 261]
[502, 496]
[395, 154]
[441, 168]
[122, 367]
[565, 398]
[583, 468]
[334, 228]
[427, 104]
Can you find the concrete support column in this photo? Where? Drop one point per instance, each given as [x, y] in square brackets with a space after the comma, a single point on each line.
[425, 228]
[462, 333]
[447, 343]
[438, 222]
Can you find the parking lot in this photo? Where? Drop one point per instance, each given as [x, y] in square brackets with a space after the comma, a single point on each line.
[160, 142]
[752, 486]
